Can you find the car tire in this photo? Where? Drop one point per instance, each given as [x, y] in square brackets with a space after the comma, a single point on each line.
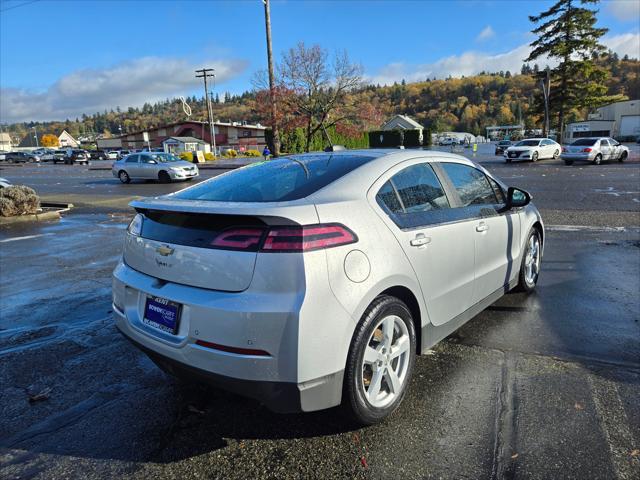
[556, 154]
[530, 264]
[597, 160]
[124, 177]
[370, 338]
[622, 157]
[164, 177]
[568, 162]
[534, 157]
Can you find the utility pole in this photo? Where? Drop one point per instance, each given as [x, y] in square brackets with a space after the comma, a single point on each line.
[272, 87]
[204, 74]
[35, 132]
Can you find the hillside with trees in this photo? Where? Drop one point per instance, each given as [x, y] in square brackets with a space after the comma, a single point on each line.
[459, 104]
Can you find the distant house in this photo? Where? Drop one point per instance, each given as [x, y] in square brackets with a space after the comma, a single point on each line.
[178, 145]
[64, 140]
[239, 136]
[5, 142]
[402, 122]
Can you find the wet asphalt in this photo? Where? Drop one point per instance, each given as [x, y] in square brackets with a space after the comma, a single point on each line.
[537, 386]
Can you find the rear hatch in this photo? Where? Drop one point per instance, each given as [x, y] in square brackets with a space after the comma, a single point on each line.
[195, 243]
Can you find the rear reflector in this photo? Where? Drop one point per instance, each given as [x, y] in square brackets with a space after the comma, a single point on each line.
[307, 238]
[239, 351]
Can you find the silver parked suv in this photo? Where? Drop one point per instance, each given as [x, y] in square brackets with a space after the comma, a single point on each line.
[164, 167]
[314, 280]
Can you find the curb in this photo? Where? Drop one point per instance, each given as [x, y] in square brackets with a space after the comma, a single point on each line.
[53, 214]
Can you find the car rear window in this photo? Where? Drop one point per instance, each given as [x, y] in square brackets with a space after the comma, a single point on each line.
[585, 141]
[280, 180]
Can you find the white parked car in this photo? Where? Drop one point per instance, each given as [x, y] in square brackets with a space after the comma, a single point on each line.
[113, 155]
[533, 149]
[312, 280]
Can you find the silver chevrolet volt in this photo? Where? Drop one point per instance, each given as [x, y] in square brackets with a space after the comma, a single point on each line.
[314, 280]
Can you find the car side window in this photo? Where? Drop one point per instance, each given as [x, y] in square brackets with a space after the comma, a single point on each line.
[146, 159]
[604, 142]
[132, 159]
[417, 189]
[471, 184]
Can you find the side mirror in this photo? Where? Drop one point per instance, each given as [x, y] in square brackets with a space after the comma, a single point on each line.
[517, 198]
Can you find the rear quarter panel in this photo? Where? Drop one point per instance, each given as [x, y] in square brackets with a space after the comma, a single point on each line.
[388, 264]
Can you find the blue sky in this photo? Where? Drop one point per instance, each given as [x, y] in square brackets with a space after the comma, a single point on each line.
[61, 58]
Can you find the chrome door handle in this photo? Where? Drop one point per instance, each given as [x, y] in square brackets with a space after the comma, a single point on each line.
[482, 227]
[420, 240]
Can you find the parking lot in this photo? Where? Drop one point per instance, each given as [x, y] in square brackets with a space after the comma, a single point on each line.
[540, 386]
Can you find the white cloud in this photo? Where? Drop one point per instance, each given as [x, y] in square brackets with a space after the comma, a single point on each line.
[625, 10]
[131, 83]
[486, 33]
[624, 44]
[474, 62]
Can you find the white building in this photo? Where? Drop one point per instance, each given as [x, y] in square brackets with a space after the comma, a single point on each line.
[620, 120]
[401, 122]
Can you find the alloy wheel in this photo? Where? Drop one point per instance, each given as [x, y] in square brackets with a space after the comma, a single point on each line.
[385, 362]
[532, 260]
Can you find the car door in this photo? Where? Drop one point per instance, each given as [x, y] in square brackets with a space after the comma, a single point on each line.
[132, 166]
[605, 149]
[439, 247]
[496, 231]
[615, 149]
[148, 167]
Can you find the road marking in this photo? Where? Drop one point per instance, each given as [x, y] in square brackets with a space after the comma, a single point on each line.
[14, 239]
[615, 425]
[581, 228]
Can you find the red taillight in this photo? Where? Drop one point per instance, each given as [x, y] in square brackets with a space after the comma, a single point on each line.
[237, 350]
[239, 239]
[307, 238]
[586, 150]
[298, 238]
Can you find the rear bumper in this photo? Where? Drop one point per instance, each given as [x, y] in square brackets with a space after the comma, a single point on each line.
[279, 397]
[584, 157]
[245, 319]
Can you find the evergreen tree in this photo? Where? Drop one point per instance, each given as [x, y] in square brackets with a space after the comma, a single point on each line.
[567, 33]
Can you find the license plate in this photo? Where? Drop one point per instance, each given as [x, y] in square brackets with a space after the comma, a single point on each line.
[162, 314]
[511, 154]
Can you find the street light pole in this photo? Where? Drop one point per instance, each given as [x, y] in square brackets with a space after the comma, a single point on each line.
[272, 87]
[36, 136]
[213, 137]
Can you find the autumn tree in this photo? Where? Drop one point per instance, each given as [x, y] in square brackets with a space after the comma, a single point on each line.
[567, 34]
[320, 88]
[49, 140]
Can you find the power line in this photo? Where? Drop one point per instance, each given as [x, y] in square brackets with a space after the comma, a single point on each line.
[19, 5]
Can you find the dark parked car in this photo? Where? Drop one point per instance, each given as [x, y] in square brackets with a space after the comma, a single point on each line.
[23, 157]
[77, 156]
[502, 145]
[98, 155]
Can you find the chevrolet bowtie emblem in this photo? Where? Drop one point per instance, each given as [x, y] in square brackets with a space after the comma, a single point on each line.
[164, 251]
